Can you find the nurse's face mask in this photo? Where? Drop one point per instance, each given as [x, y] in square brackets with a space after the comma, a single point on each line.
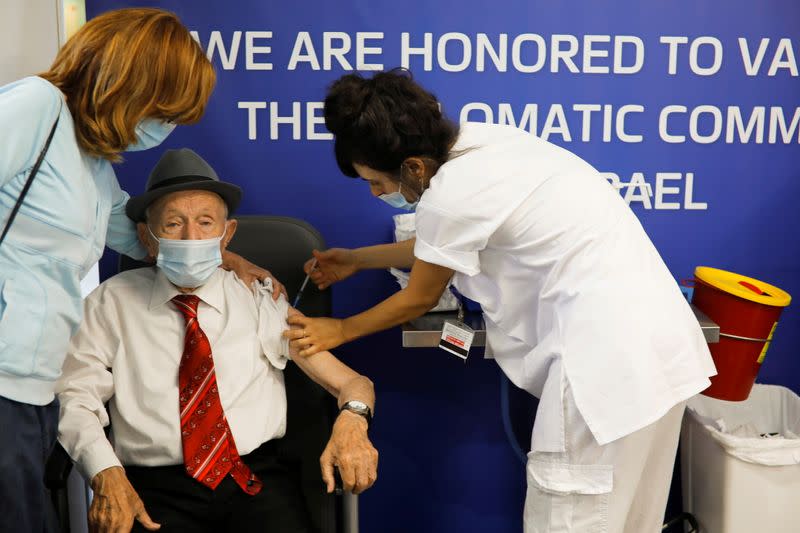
[188, 263]
[396, 199]
[380, 181]
[150, 133]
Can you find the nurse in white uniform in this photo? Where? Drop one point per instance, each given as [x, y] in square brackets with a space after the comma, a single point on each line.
[580, 309]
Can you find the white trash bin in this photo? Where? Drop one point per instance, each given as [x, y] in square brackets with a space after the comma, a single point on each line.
[740, 462]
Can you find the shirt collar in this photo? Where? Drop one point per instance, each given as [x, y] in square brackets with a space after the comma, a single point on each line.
[211, 292]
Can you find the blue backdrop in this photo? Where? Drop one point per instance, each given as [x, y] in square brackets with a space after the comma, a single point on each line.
[691, 107]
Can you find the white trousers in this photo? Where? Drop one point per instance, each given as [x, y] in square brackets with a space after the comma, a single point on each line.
[621, 487]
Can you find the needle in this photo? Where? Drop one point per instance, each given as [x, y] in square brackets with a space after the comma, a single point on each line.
[305, 282]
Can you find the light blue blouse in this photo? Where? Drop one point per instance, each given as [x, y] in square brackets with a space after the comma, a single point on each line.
[73, 209]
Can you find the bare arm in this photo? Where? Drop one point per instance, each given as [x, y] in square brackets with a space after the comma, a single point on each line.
[425, 286]
[397, 255]
[337, 264]
[349, 447]
[340, 380]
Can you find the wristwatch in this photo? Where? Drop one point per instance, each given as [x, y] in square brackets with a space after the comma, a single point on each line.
[359, 408]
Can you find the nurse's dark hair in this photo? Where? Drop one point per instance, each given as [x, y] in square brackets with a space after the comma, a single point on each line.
[127, 65]
[380, 121]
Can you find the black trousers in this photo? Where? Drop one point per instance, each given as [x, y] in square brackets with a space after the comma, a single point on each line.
[180, 503]
[27, 436]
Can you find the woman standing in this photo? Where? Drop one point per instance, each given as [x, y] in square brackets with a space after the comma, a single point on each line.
[580, 310]
[121, 83]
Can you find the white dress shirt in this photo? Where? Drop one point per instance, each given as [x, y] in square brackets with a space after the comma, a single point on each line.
[127, 353]
[570, 284]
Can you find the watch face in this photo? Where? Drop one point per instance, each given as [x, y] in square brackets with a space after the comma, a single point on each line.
[355, 404]
[360, 408]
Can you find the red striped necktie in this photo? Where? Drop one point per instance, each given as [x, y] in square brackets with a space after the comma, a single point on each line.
[209, 452]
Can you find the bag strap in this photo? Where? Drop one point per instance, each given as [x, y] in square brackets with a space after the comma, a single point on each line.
[32, 175]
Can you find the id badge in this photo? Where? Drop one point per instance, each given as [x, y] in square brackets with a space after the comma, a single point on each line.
[457, 338]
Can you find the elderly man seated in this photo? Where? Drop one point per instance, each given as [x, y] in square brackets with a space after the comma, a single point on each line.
[189, 360]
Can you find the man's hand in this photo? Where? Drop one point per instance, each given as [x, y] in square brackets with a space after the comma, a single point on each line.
[332, 265]
[349, 448]
[115, 504]
[248, 273]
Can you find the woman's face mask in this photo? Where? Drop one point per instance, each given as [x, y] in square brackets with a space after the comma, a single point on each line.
[150, 133]
[380, 181]
[188, 263]
[396, 199]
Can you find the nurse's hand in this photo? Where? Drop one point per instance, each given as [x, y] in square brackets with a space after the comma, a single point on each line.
[312, 335]
[248, 273]
[331, 266]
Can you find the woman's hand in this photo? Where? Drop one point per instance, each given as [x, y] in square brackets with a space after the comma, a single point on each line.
[331, 266]
[312, 335]
[248, 273]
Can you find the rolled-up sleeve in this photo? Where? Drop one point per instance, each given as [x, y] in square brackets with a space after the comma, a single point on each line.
[449, 240]
[121, 235]
[86, 384]
[271, 324]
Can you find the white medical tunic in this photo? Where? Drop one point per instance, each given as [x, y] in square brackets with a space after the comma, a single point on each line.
[570, 284]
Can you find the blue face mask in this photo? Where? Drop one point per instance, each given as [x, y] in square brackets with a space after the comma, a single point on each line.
[188, 263]
[150, 133]
[396, 199]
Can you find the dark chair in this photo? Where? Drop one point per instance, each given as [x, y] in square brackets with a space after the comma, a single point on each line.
[281, 245]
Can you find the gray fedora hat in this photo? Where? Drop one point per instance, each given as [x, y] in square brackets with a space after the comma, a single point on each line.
[181, 170]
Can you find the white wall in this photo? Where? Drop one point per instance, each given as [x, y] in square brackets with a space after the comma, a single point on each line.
[29, 34]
